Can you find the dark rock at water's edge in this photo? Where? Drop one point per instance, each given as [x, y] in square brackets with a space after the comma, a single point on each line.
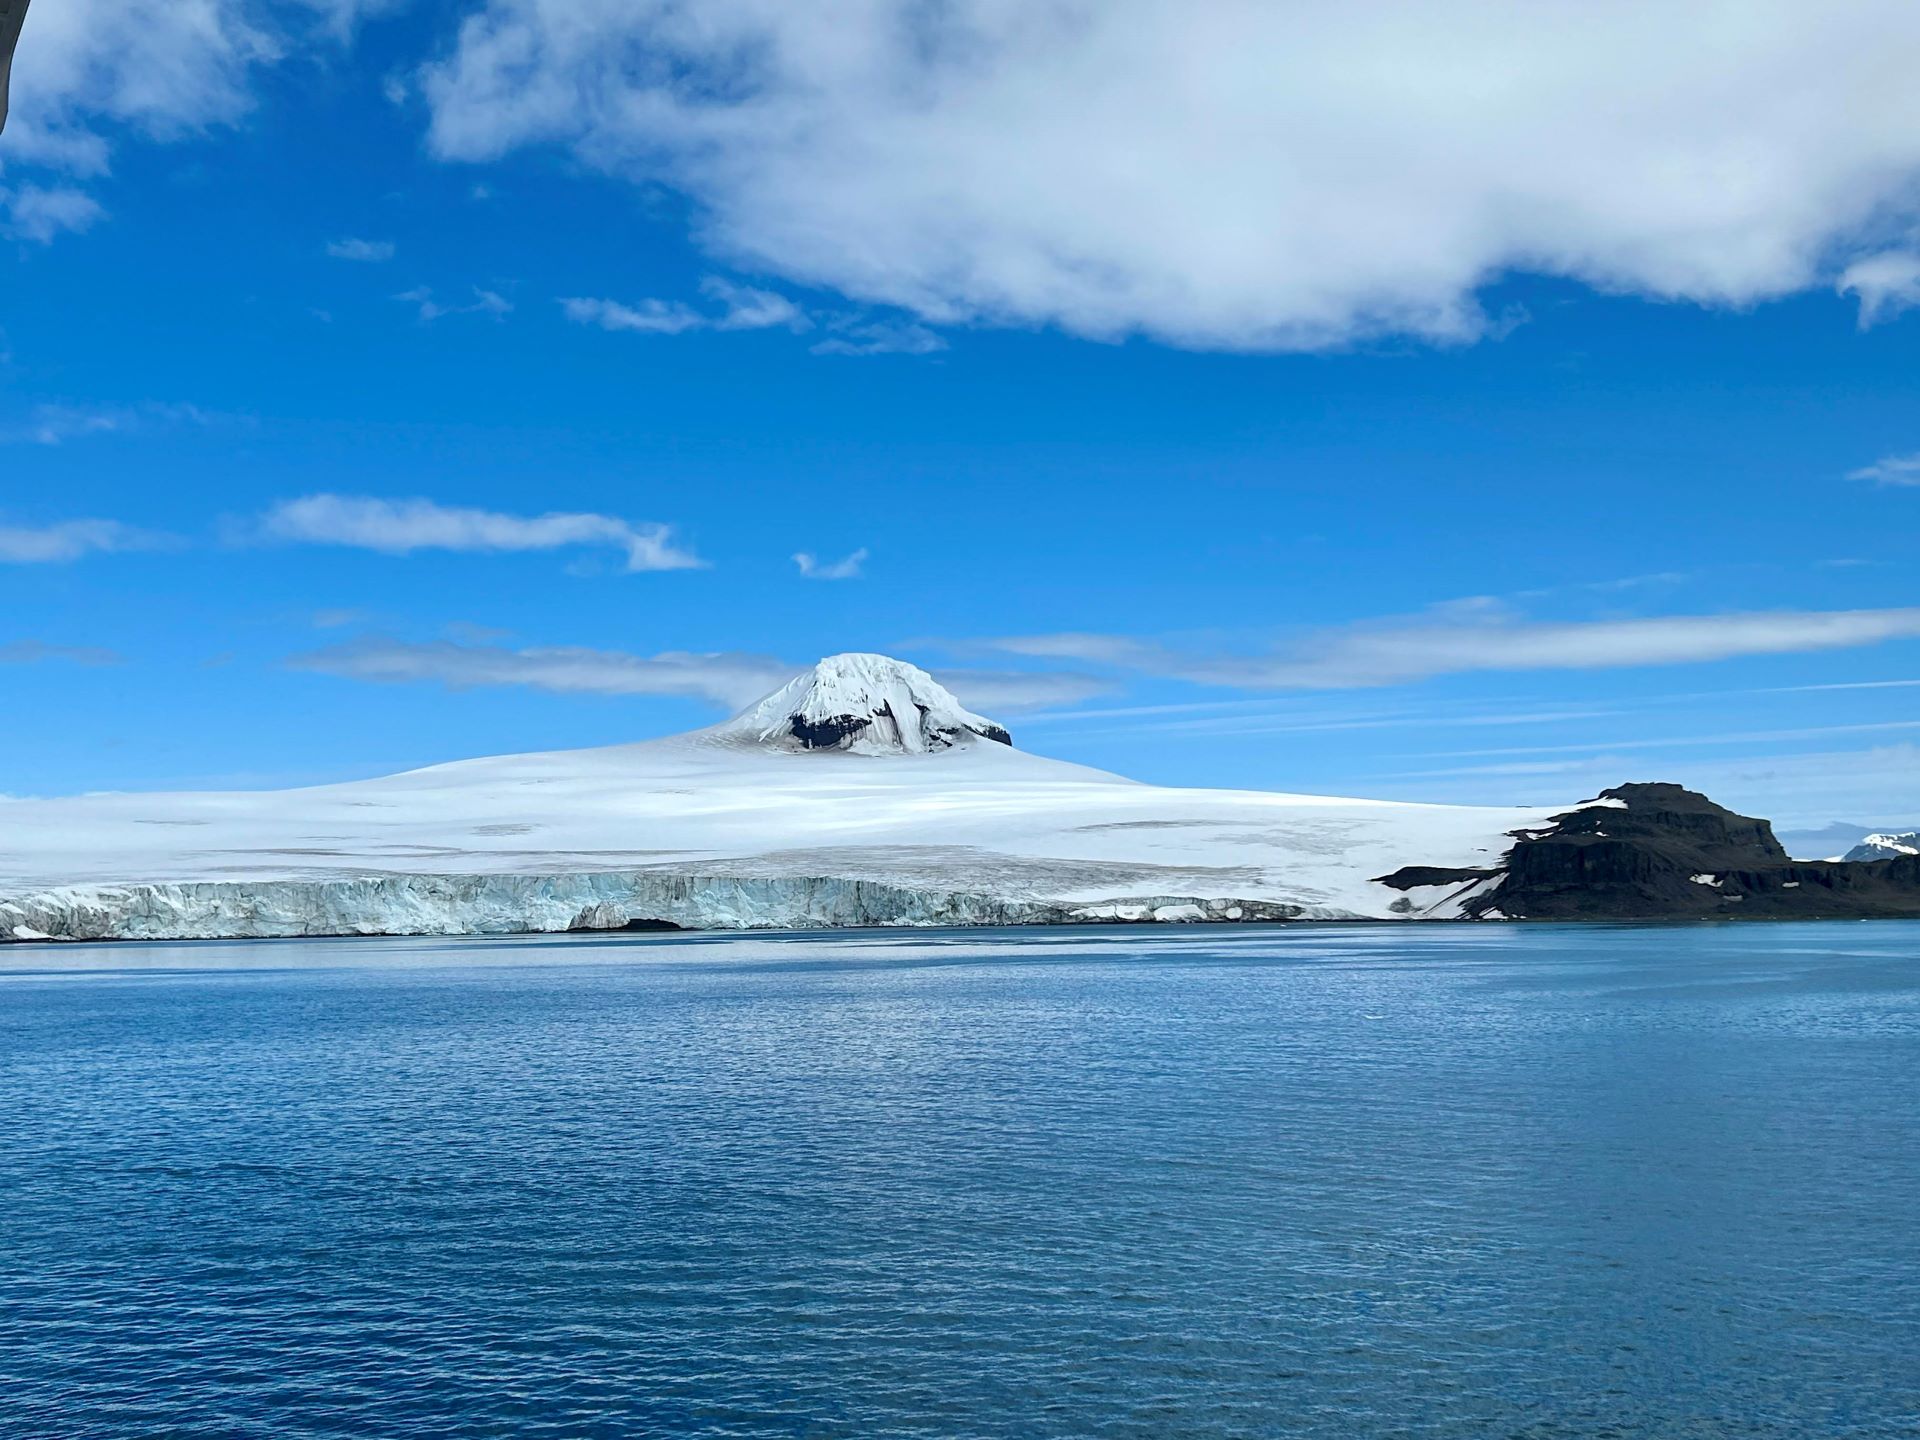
[1668, 853]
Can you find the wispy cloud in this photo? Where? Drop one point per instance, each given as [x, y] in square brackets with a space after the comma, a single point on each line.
[728, 679]
[812, 568]
[742, 307]
[1688, 742]
[643, 317]
[1795, 790]
[41, 213]
[1890, 470]
[737, 307]
[1843, 685]
[401, 527]
[54, 424]
[485, 302]
[880, 337]
[34, 652]
[71, 539]
[1469, 638]
[1009, 692]
[372, 252]
[1885, 284]
[468, 633]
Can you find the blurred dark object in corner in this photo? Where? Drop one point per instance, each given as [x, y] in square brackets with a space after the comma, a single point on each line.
[13, 14]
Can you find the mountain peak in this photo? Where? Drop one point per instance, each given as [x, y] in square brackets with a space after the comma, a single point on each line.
[1886, 845]
[868, 704]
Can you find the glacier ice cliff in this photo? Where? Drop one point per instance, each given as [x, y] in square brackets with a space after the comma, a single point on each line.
[526, 904]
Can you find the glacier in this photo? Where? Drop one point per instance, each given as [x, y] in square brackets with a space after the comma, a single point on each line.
[863, 793]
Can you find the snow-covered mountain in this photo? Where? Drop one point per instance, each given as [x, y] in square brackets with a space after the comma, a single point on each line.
[866, 704]
[1885, 846]
[860, 793]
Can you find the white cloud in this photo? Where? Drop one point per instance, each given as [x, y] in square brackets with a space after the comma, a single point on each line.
[34, 652]
[56, 424]
[400, 527]
[745, 308]
[75, 76]
[485, 302]
[646, 317]
[1797, 790]
[369, 251]
[39, 213]
[732, 680]
[1714, 738]
[76, 80]
[72, 539]
[1008, 692]
[1885, 284]
[1242, 174]
[1468, 638]
[847, 569]
[741, 307]
[1891, 470]
[880, 337]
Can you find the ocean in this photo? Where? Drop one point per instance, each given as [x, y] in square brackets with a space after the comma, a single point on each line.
[1411, 1181]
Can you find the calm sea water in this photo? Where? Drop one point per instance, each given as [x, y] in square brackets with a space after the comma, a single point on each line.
[1449, 1182]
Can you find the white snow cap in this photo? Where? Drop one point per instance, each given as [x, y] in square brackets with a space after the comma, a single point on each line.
[868, 704]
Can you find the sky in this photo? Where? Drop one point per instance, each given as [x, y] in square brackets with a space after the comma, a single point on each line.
[1483, 403]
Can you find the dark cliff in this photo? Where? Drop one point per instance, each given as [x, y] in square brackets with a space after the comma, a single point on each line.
[1667, 853]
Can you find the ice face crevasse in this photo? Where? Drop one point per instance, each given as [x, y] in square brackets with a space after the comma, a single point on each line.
[867, 704]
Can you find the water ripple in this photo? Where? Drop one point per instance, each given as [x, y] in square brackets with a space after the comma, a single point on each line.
[1527, 1183]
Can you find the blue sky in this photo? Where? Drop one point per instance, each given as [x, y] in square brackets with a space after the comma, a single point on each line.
[1495, 466]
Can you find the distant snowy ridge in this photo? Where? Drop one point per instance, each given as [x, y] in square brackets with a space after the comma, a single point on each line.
[862, 793]
[1885, 846]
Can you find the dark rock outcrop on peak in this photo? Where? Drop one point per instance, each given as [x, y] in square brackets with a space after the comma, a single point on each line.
[835, 730]
[1667, 853]
[827, 733]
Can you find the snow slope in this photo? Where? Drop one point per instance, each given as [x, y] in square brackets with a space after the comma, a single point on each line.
[1885, 846]
[902, 807]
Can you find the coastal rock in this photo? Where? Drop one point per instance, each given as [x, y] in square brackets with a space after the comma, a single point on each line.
[1659, 851]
